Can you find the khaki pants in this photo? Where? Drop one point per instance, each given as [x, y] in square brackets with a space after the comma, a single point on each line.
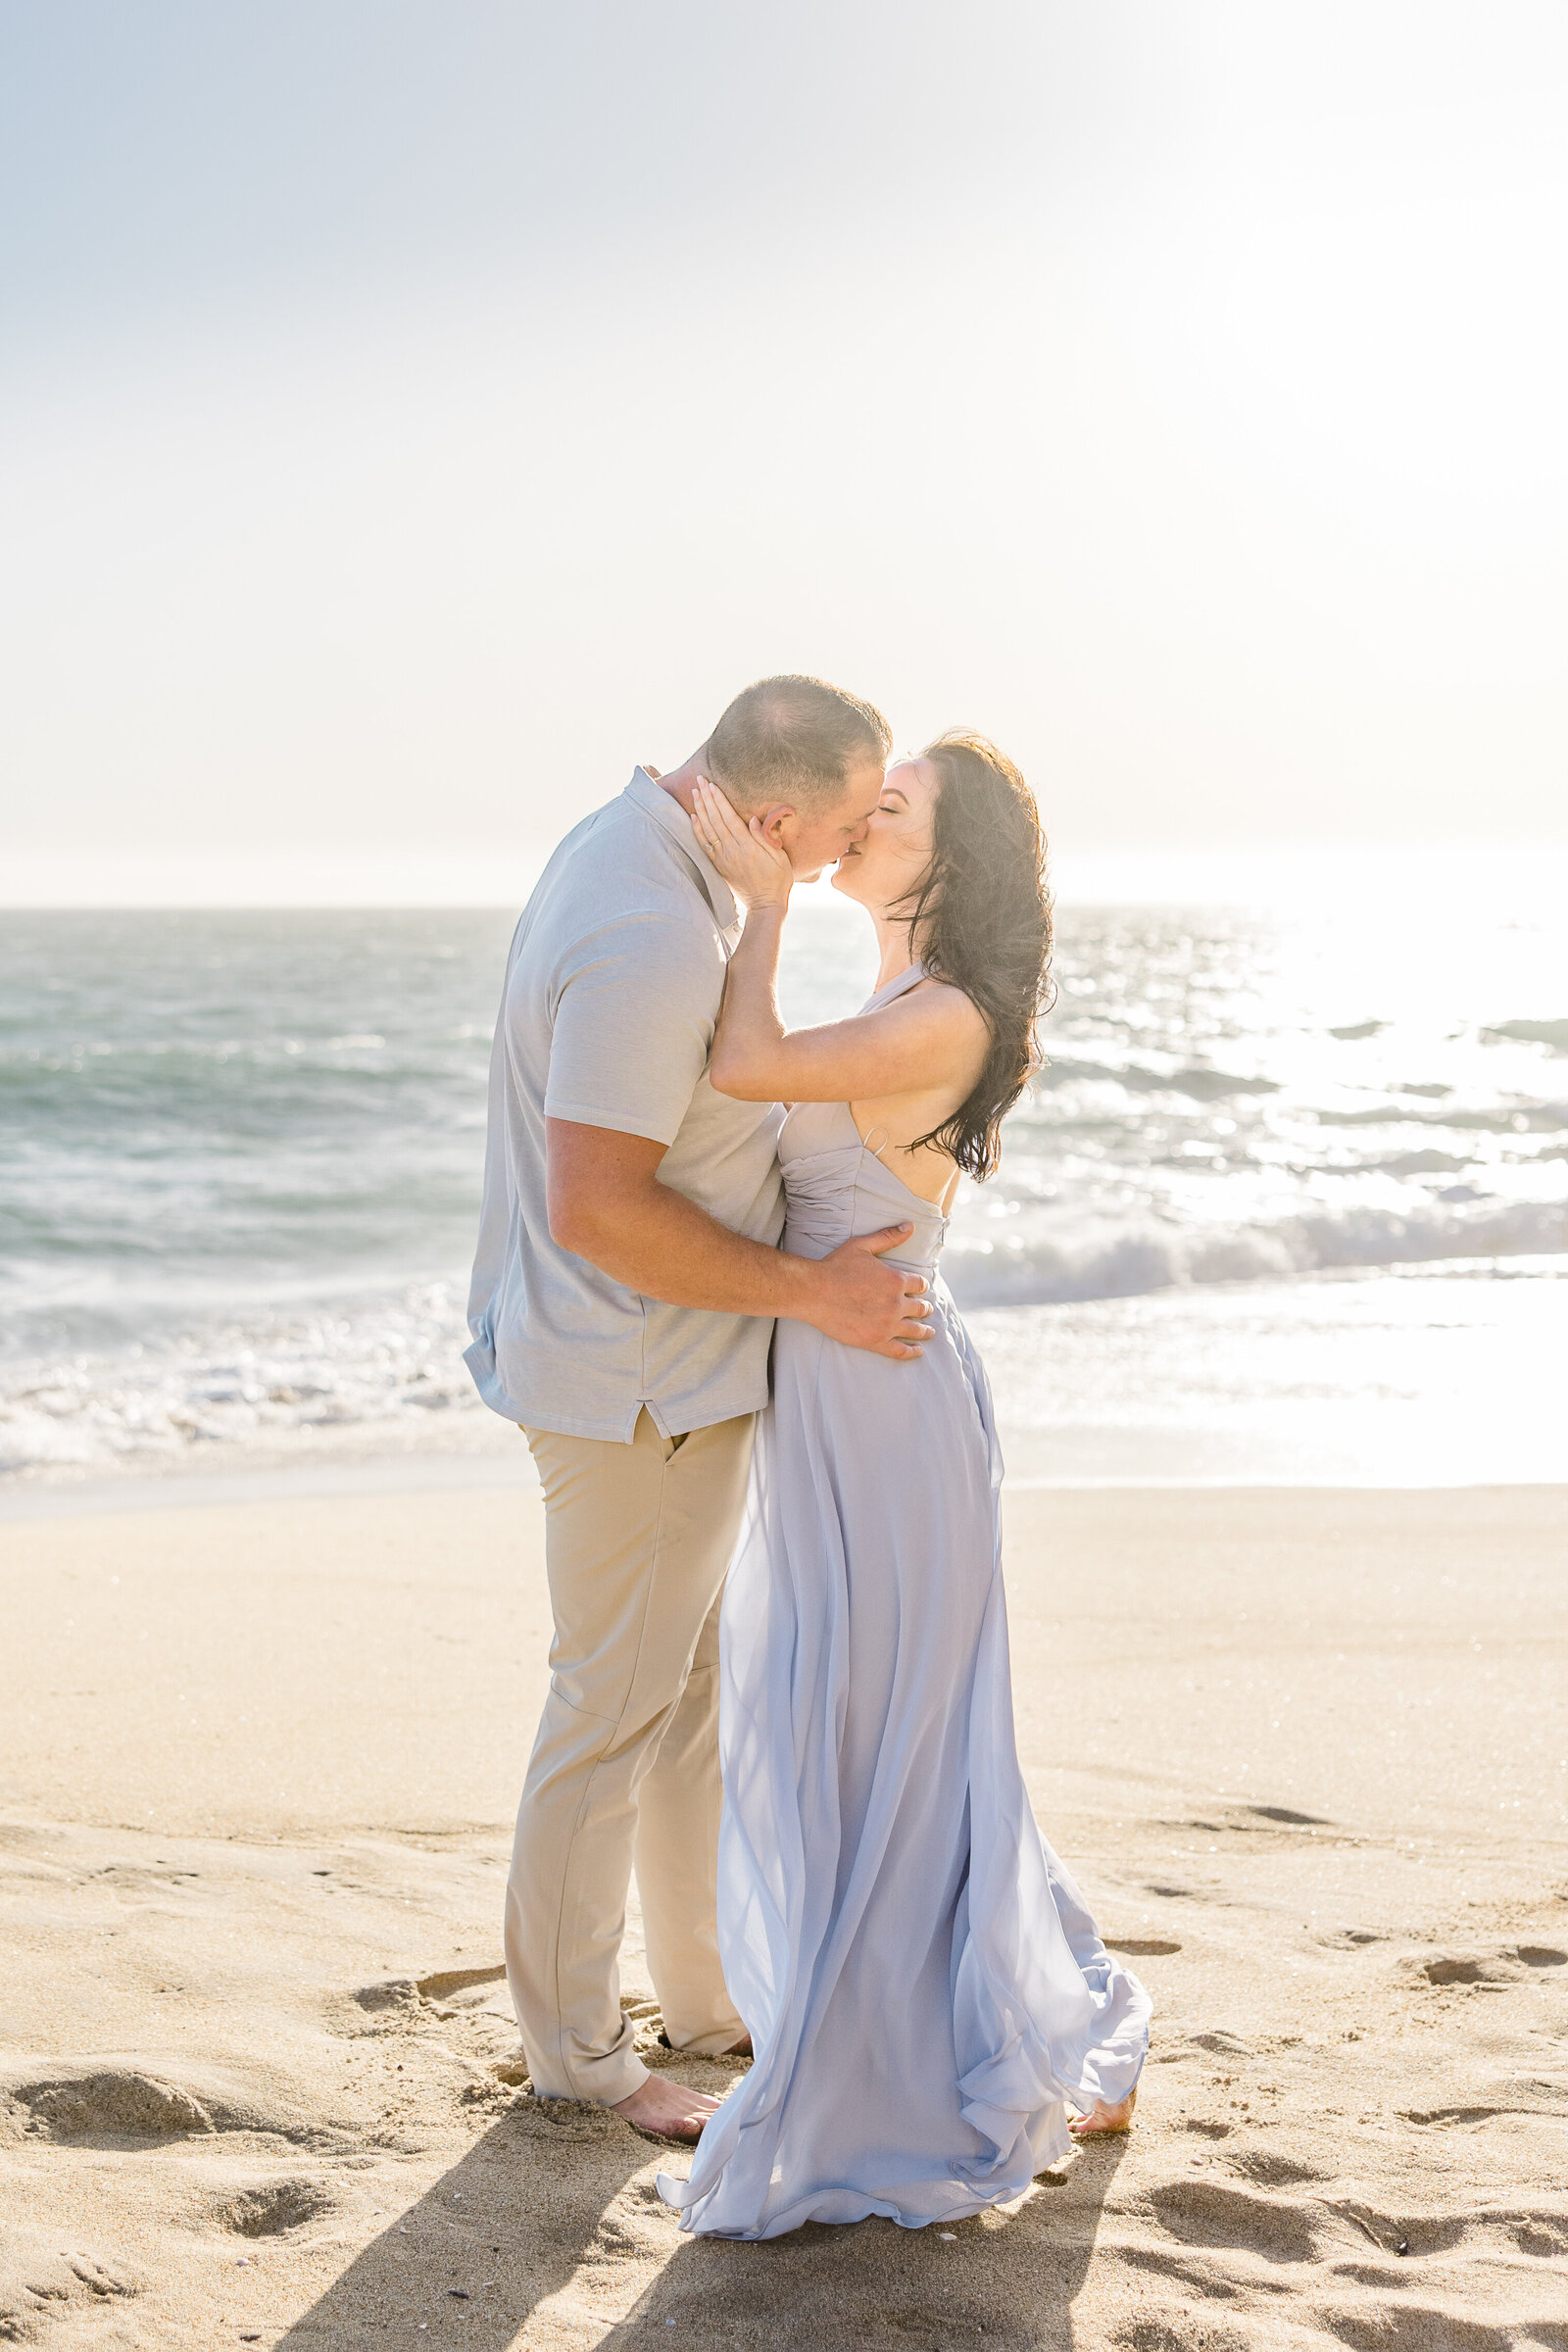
[626, 1765]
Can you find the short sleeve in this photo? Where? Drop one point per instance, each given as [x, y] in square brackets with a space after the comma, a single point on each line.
[633, 1025]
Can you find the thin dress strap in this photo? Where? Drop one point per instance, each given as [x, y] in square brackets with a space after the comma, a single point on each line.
[894, 988]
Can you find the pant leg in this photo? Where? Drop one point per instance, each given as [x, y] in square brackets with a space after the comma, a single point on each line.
[677, 1863]
[637, 1540]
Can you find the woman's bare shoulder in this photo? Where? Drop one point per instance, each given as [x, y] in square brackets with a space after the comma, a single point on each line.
[943, 1001]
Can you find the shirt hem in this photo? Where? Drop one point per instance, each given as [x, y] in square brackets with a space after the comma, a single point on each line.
[672, 1417]
[670, 1420]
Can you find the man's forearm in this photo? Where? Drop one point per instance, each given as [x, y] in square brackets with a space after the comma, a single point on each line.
[608, 1206]
[662, 1245]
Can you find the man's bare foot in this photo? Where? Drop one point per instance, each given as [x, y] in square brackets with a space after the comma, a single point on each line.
[1102, 2121]
[666, 2108]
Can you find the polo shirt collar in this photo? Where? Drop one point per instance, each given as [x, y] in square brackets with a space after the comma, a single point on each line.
[664, 810]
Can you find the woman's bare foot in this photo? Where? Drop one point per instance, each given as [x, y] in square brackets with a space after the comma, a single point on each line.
[666, 2108]
[1102, 2121]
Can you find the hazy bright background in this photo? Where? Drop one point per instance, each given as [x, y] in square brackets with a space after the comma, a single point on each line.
[414, 413]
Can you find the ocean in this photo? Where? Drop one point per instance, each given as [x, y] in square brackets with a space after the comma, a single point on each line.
[1288, 1202]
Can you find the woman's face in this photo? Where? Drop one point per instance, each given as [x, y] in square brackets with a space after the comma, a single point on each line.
[890, 863]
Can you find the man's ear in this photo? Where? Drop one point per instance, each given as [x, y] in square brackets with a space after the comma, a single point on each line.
[775, 826]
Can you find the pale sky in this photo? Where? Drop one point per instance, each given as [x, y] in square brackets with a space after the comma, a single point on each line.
[416, 414]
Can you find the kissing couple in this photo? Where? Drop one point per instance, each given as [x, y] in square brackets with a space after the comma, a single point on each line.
[779, 1681]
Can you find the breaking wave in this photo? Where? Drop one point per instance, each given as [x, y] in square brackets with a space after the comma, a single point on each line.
[1045, 1267]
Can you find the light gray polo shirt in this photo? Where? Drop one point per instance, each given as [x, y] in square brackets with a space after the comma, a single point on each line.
[612, 994]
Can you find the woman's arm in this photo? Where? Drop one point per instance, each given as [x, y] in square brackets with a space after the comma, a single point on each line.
[924, 1040]
[750, 1029]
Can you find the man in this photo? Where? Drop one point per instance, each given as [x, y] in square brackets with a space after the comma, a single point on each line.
[623, 1298]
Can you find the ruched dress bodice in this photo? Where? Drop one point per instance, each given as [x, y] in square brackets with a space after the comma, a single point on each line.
[836, 1186]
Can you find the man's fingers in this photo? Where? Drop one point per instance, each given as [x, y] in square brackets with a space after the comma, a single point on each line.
[878, 1242]
[915, 1285]
[719, 810]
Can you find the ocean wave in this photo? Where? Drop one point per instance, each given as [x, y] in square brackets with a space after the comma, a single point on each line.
[396, 1362]
[389, 1360]
[1514, 1117]
[1531, 1033]
[1124, 1262]
[1198, 1082]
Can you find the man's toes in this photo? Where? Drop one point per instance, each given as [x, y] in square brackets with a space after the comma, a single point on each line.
[691, 2121]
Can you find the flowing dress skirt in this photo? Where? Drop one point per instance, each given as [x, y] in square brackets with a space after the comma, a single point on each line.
[924, 1984]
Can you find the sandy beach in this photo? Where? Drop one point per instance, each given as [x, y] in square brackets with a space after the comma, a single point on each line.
[1305, 1750]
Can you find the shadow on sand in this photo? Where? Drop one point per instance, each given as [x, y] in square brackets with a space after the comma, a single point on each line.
[556, 2195]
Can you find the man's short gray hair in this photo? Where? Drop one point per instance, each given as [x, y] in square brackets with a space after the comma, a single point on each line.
[794, 739]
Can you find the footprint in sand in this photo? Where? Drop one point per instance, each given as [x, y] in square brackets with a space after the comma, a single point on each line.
[443, 1991]
[1448, 2119]
[1404, 2328]
[1220, 2044]
[449, 1984]
[108, 2107]
[1402, 2235]
[1542, 2234]
[1270, 2171]
[393, 1992]
[142, 1878]
[41, 2282]
[1501, 1964]
[271, 2208]
[1210, 2213]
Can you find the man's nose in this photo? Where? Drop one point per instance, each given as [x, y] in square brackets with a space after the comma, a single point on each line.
[860, 830]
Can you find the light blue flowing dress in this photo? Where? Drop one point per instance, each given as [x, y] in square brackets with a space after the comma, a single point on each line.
[922, 1982]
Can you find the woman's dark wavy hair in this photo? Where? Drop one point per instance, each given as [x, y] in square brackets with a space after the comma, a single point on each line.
[980, 918]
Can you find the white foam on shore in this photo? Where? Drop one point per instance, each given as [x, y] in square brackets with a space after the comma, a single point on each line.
[1418, 1376]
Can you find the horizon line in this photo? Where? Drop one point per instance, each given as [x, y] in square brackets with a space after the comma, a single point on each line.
[1282, 873]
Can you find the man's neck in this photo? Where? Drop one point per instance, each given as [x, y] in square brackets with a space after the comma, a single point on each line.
[679, 781]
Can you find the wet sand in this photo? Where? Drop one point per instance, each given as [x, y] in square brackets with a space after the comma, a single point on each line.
[1305, 1751]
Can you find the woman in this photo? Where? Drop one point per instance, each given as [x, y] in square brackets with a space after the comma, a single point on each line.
[923, 1987]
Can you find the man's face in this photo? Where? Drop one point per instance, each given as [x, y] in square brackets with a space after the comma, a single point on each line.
[811, 841]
